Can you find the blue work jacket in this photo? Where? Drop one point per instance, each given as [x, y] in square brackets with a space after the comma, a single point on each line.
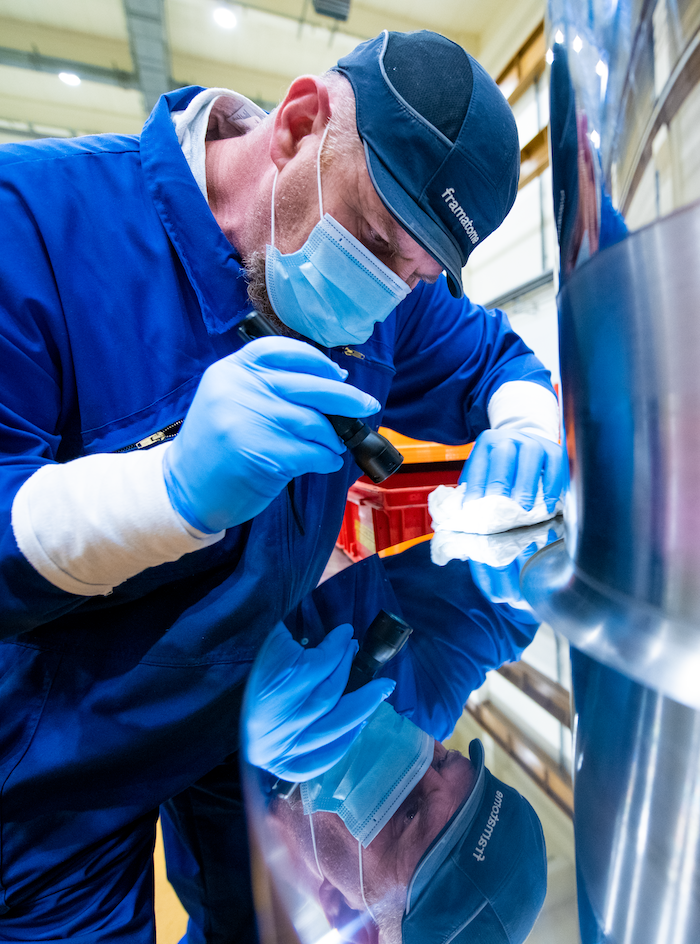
[117, 290]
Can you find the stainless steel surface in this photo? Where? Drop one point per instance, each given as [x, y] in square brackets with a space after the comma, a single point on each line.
[624, 587]
[619, 632]
[627, 590]
[636, 811]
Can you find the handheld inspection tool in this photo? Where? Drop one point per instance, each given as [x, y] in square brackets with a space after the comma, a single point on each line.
[372, 452]
[385, 637]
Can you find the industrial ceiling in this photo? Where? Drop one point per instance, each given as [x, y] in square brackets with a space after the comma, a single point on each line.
[126, 52]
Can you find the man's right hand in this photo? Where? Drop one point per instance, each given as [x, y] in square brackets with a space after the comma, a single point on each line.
[256, 423]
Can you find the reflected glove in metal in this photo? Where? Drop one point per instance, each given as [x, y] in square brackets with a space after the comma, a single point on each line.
[510, 462]
[502, 584]
[296, 721]
[256, 423]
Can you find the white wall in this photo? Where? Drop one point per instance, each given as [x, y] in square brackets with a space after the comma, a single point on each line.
[520, 250]
[523, 247]
[534, 317]
[506, 32]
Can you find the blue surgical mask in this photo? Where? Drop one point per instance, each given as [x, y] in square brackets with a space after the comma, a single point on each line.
[366, 787]
[333, 290]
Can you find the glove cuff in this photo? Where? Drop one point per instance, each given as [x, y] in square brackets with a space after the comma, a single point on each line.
[525, 406]
[178, 498]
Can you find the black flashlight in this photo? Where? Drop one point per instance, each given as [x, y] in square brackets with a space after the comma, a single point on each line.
[385, 638]
[372, 452]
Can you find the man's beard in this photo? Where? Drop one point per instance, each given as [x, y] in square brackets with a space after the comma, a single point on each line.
[257, 287]
[257, 293]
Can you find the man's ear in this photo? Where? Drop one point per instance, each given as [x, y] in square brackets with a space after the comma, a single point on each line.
[304, 111]
[354, 926]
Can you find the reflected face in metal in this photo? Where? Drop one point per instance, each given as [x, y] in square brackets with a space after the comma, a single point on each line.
[391, 858]
[399, 847]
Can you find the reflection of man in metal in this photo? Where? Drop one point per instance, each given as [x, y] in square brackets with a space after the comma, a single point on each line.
[399, 838]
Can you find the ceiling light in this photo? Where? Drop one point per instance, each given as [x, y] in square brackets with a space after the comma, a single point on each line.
[549, 56]
[225, 17]
[338, 9]
[577, 44]
[70, 78]
[595, 138]
[559, 38]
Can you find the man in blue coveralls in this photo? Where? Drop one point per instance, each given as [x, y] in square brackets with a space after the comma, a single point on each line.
[137, 584]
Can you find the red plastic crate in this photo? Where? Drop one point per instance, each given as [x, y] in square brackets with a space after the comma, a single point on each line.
[380, 516]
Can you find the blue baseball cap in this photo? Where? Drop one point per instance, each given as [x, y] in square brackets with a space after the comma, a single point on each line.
[484, 877]
[440, 140]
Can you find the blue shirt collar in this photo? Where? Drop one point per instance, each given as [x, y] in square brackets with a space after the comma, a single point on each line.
[212, 264]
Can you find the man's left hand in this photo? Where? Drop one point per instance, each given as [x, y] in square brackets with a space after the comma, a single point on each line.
[511, 463]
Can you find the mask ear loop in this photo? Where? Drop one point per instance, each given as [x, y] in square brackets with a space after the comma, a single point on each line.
[318, 167]
[272, 210]
[313, 843]
[362, 886]
[318, 183]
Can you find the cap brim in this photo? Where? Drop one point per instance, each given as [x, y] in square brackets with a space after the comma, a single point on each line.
[408, 214]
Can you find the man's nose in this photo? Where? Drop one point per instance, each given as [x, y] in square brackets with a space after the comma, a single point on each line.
[414, 269]
[410, 278]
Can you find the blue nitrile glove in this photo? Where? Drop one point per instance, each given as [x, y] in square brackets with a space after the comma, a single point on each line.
[509, 462]
[501, 584]
[296, 721]
[255, 423]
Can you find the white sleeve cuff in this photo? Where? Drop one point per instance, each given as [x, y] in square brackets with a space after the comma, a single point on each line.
[527, 406]
[90, 524]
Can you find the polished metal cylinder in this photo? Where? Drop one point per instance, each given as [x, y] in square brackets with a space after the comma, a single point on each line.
[625, 585]
[629, 579]
[636, 811]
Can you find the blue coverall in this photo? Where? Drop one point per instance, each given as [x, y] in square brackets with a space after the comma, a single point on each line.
[117, 290]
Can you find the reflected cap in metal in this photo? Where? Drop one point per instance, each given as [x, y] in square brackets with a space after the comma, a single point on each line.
[484, 877]
[440, 140]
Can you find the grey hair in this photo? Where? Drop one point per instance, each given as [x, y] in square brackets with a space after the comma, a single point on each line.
[343, 140]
